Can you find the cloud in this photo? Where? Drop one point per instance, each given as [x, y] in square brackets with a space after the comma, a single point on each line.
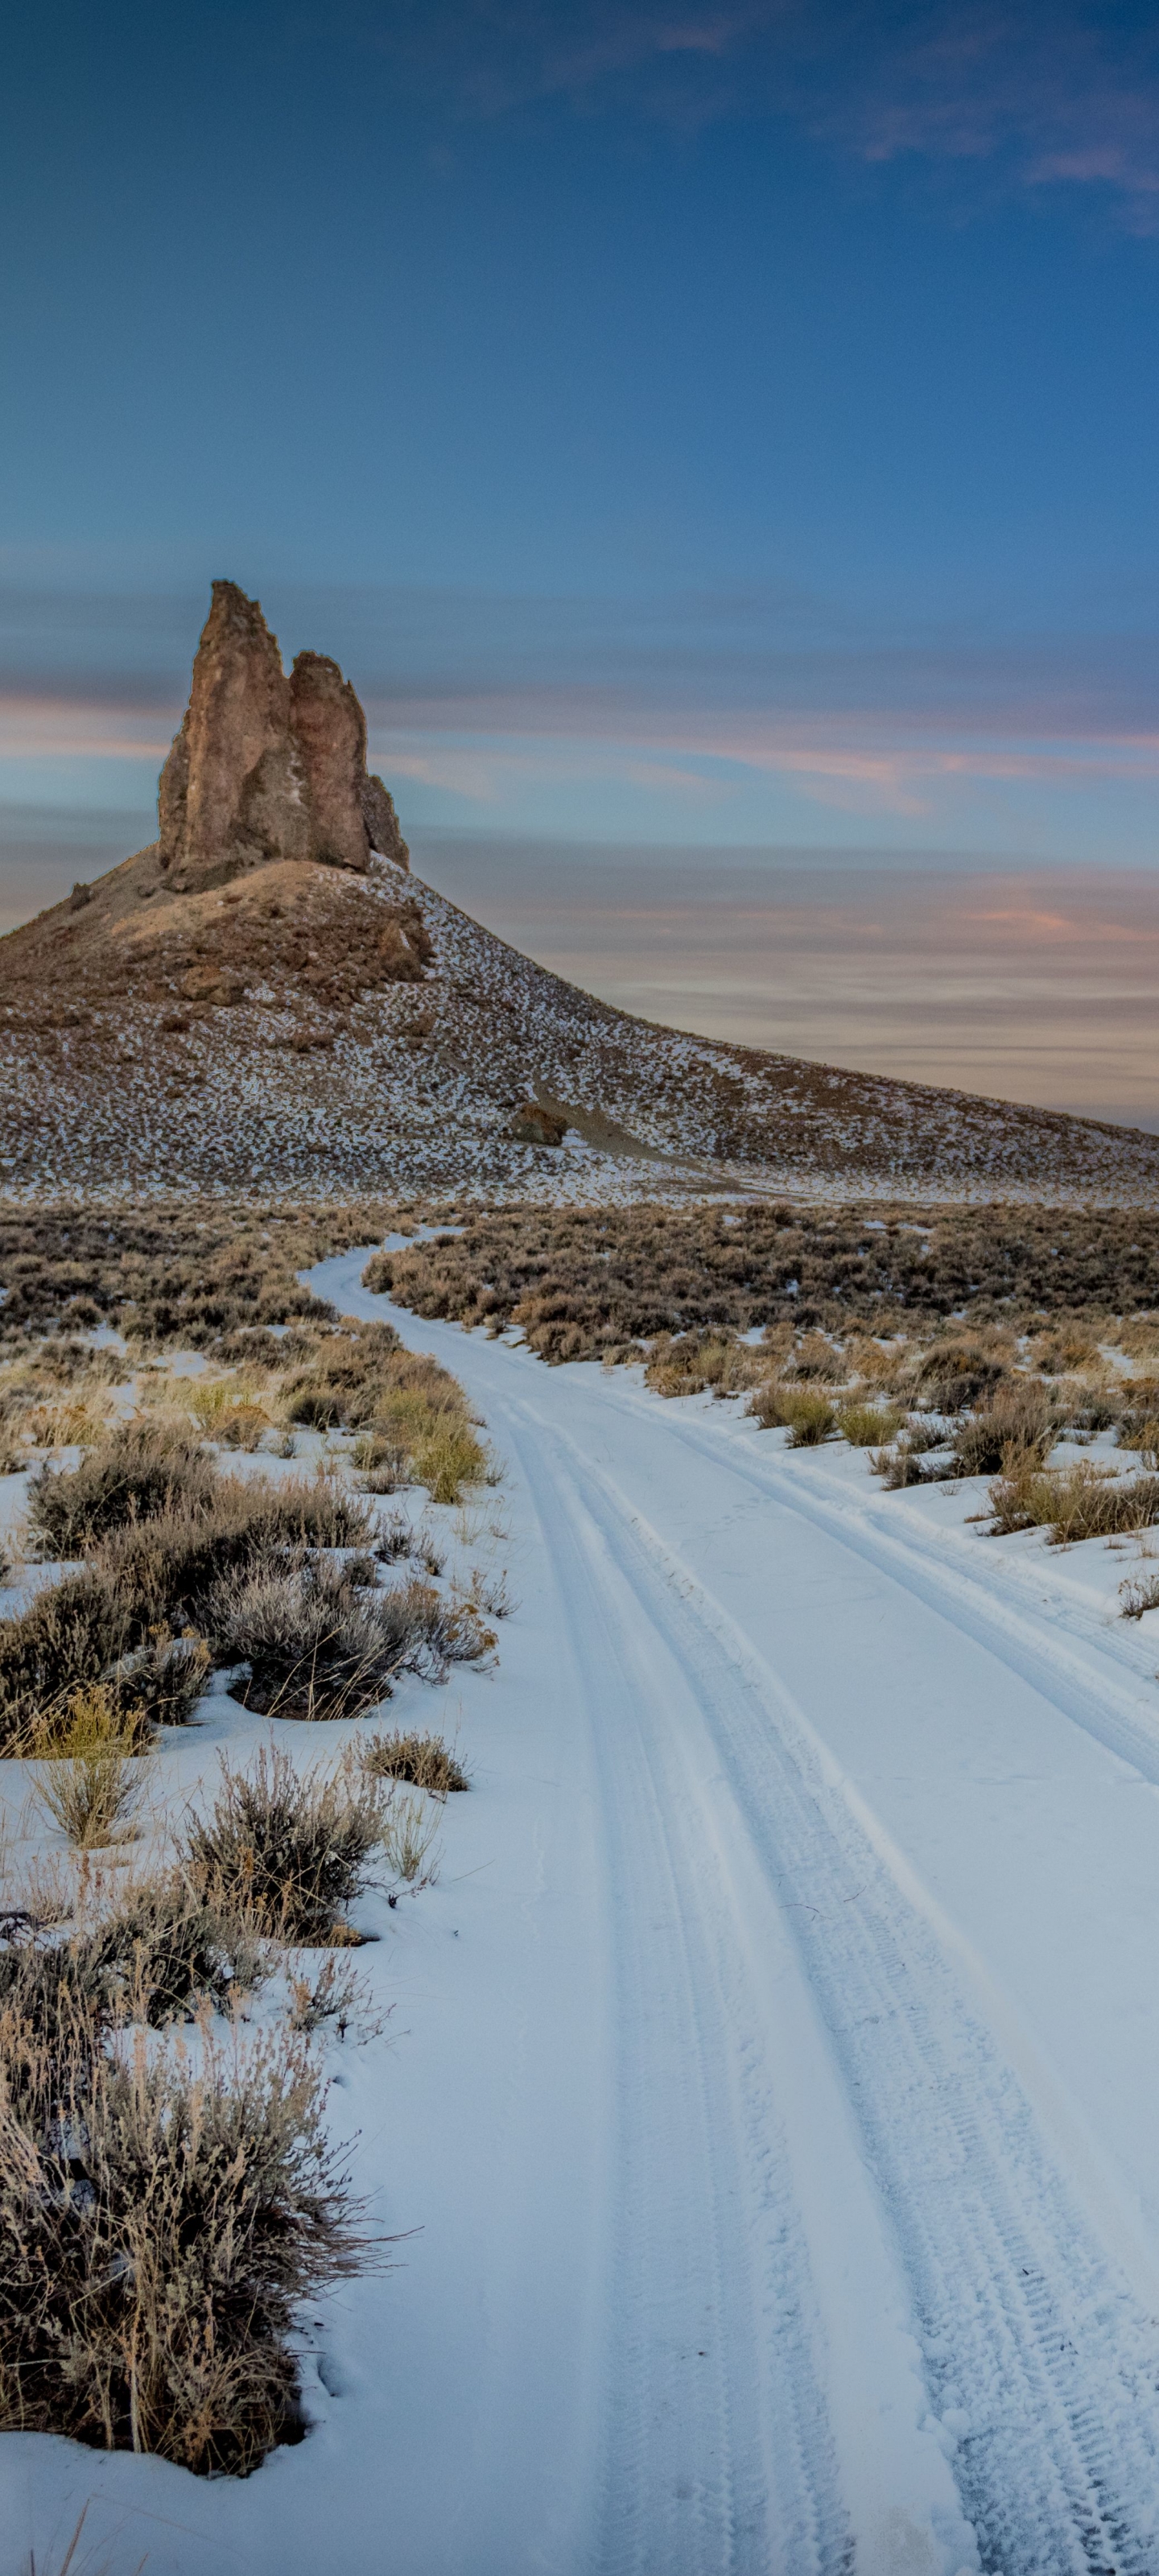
[1038, 94]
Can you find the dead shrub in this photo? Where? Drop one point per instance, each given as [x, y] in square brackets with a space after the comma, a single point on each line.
[286, 1850]
[408, 1835]
[425, 1760]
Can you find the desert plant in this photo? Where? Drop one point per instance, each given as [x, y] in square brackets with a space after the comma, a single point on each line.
[863, 1424]
[161, 2228]
[1136, 1597]
[408, 1835]
[395, 1538]
[287, 1850]
[1073, 1503]
[333, 1991]
[807, 1417]
[68, 1636]
[161, 1682]
[161, 1952]
[424, 1760]
[92, 1796]
[489, 1593]
[316, 1647]
[162, 1571]
[142, 1470]
[814, 1357]
[445, 1458]
[1017, 1421]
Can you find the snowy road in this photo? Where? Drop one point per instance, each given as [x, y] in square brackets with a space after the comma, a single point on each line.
[779, 2099]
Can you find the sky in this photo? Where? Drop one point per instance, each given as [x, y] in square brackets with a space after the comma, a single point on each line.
[717, 437]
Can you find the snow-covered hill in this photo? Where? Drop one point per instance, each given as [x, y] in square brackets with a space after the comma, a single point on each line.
[307, 1029]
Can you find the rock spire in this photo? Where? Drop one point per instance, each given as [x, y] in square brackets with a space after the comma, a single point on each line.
[266, 767]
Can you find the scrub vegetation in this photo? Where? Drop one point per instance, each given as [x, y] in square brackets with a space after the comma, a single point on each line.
[170, 2194]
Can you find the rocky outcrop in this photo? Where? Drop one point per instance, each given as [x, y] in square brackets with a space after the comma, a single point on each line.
[532, 1124]
[266, 767]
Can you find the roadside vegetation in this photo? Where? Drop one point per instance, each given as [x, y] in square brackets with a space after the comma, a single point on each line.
[170, 2193]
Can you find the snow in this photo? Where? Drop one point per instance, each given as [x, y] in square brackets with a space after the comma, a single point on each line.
[768, 2103]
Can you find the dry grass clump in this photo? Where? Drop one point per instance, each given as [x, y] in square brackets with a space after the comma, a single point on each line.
[1073, 1502]
[143, 1469]
[687, 1363]
[228, 1411]
[1136, 1597]
[93, 1797]
[901, 1466]
[954, 1374]
[808, 1418]
[160, 2229]
[865, 1426]
[1019, 1424]
[884, 1370]
[1065, 1346]
[814, 1357]
[425, 1760]
[288, 1851]
[1138, 1416]
[408, 1838]
[445, 1458]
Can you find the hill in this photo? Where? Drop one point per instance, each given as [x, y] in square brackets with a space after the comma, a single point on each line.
[268, 1000]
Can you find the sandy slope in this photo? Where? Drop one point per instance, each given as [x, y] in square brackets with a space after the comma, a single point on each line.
[775, 2082]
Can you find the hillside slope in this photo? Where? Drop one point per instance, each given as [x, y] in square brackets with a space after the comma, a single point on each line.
[308, 1029]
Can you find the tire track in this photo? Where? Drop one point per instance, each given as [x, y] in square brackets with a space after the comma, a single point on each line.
[1017, 1635]
[1043, 2368]
[718, 2454]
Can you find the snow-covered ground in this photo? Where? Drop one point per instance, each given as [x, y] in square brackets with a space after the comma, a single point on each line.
[773, 2089]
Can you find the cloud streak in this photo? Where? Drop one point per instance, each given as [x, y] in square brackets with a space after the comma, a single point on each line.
[1046, 95]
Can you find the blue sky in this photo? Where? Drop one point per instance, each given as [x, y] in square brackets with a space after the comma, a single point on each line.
[694, 426]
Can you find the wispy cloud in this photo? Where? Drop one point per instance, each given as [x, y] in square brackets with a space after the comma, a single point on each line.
[1042, 93]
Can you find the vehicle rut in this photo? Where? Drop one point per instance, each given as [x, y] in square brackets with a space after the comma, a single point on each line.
[718, 2456]
[1043, 2367]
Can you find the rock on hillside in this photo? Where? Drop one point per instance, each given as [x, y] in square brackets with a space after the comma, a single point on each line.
[264, 767]
[267, 1001]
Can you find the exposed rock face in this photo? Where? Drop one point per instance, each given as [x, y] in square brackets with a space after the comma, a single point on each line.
[532, 1124]
[266, 767]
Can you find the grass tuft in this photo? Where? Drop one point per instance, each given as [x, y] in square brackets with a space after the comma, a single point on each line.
[426, 1761]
